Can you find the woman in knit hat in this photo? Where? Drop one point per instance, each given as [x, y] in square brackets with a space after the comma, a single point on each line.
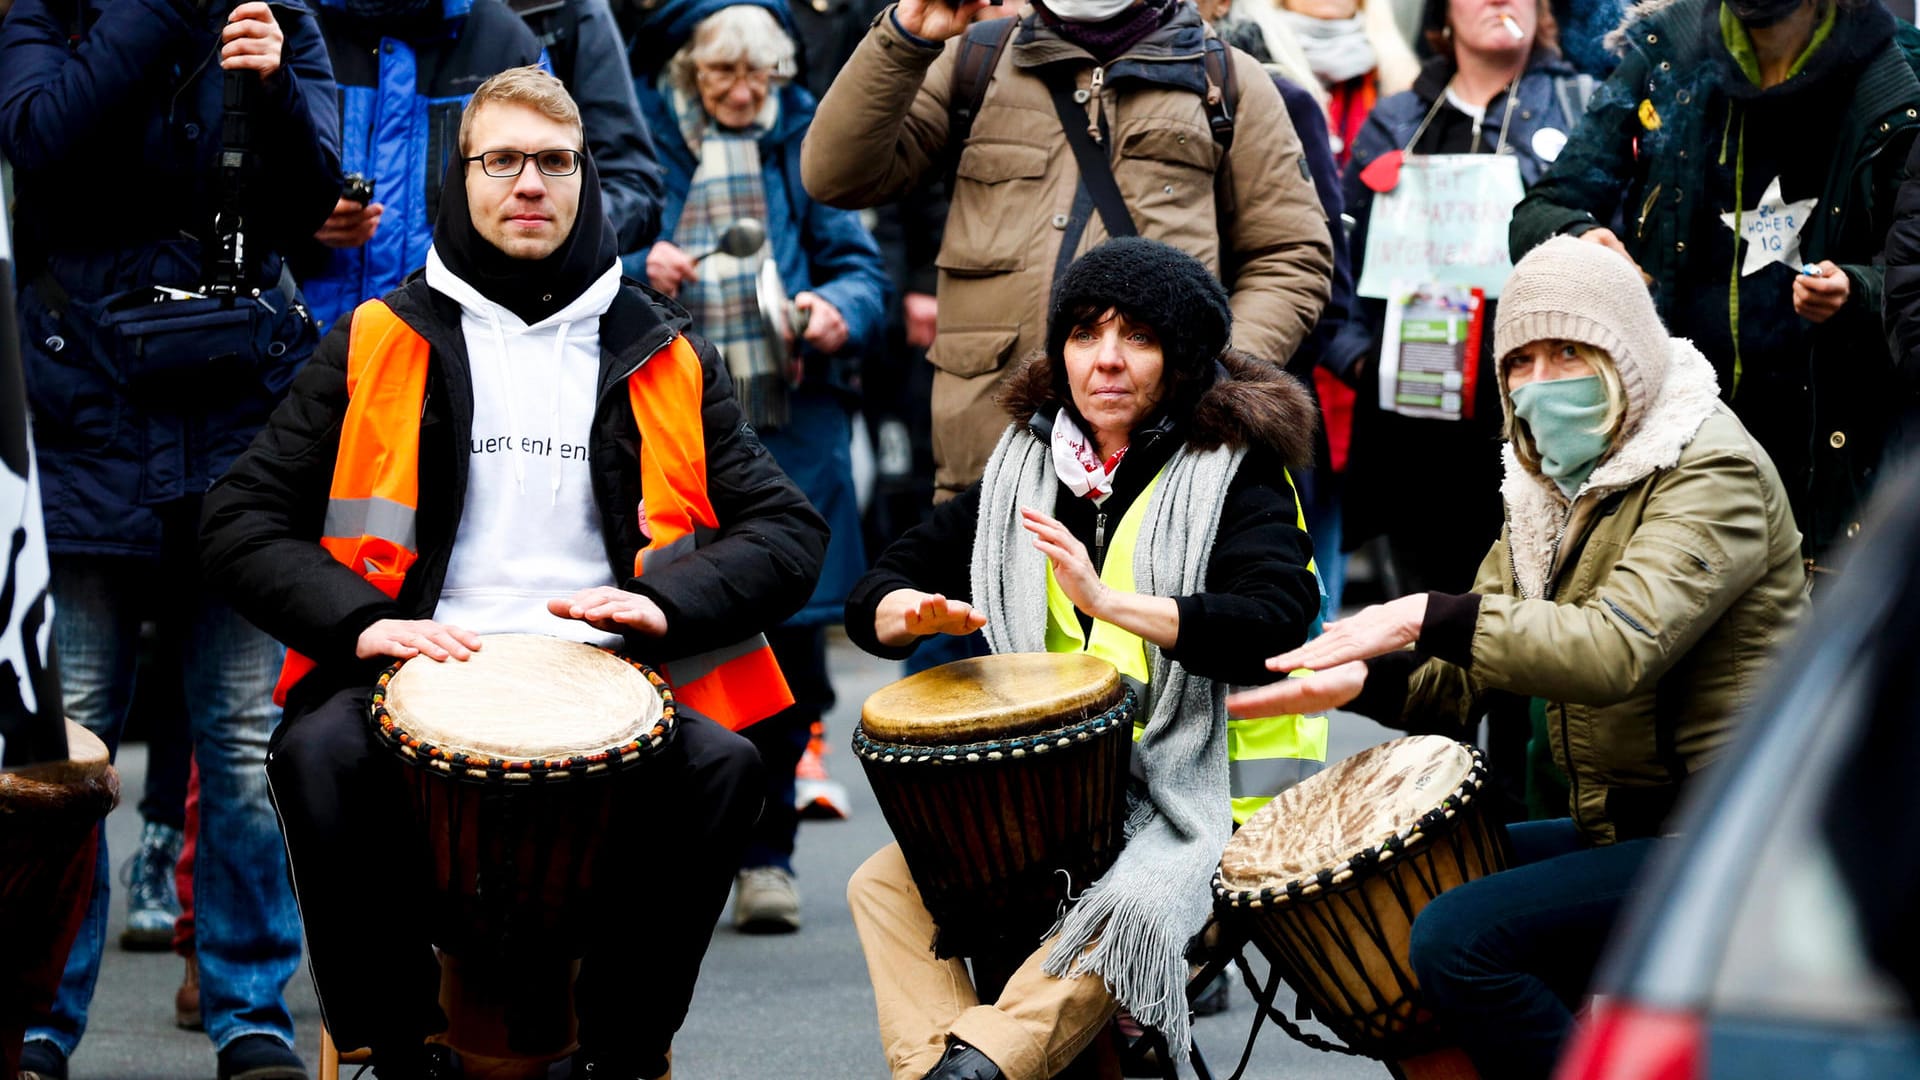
[1648, 564]
[1136, 420]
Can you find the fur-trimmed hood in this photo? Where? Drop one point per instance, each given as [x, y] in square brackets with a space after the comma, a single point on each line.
[1618, 37]
[1256, 405]
[1536, 508]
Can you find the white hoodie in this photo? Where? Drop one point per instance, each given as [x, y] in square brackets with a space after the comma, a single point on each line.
[529, 531]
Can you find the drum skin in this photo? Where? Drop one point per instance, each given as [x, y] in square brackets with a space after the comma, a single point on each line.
[520, 763]
[1329, 877]
[48, 838]
[1004, 780]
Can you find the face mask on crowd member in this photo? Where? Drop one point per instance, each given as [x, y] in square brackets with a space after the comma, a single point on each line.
[1087, 11]
[1559, 393]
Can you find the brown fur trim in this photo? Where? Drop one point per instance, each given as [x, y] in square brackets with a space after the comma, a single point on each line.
[1258, 405]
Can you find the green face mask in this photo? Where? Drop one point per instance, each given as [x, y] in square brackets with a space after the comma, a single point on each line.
[1562, 415]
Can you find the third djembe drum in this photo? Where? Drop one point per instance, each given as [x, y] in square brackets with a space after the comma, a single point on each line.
[1330, 876]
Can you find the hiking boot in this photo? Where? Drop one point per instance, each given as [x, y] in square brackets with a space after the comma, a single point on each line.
[765, 901]
[260, 1057]
[963, 1062]
[41, 1060]
[186, 1000]
[152, 903]
[426, 1061]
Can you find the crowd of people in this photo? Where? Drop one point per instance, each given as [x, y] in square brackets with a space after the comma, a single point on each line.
[701, 327]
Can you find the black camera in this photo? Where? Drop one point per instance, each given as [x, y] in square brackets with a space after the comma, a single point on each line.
[359, 189]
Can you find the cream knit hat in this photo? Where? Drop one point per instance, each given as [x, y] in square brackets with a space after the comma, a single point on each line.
[1571, 290]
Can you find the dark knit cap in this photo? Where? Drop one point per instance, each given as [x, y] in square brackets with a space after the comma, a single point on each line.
[1148, 282]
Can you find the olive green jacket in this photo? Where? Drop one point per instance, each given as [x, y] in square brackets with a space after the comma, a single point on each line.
[1645, 612]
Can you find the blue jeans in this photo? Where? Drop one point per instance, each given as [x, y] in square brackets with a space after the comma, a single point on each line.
[247, 929]
[1504, 960]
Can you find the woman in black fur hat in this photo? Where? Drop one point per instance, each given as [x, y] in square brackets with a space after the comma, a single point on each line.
[1135, 435]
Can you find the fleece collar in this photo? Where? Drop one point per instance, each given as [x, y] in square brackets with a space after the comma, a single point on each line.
[1537, 511]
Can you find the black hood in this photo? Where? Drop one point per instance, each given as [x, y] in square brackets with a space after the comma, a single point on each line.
[532, 289]
[1859, 32]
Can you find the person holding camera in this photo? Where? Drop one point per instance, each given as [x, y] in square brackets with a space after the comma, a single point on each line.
[1075, 121]
[166, 152]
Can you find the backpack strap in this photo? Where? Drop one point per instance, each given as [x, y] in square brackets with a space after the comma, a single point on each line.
[1223, 94]
[979, 55]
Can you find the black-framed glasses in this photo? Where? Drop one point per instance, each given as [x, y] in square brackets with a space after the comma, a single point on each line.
[505, 164]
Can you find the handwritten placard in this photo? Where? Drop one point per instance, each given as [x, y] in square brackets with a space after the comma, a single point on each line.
[1445, 222]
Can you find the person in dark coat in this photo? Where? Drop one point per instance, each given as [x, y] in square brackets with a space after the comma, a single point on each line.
[522, 293]
[1406, 473]
[729, 124]
[584, 45]
[111, 112]
[404, 68]
[1901, 304]
[1788, 122]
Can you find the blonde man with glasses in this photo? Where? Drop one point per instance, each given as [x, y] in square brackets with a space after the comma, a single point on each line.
[533, 346]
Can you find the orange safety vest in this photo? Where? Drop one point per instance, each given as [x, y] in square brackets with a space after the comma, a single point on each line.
[375, 494]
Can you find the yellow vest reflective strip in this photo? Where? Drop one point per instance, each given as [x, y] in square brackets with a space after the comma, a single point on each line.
[1266, 754]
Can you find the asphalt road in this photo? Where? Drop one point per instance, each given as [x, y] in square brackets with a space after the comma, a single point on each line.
[797, 1007]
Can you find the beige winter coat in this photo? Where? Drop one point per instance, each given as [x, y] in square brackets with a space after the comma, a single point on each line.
[882, 130]
[1650, 624]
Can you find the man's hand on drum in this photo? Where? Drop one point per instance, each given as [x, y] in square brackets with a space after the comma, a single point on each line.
[616, 611]
[1304, 695]
[906, 614]
[1379, 629]
[404, 639]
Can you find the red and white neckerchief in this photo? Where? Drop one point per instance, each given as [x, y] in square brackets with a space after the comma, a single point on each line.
[1078, 464]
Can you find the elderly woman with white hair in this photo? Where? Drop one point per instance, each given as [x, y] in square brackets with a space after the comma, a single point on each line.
[728, 121]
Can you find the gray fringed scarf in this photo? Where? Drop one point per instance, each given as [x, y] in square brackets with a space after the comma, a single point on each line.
[1132, 926]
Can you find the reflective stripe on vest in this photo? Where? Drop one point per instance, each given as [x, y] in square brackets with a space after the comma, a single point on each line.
[374, 496]
[734, 685]
[1266, 755]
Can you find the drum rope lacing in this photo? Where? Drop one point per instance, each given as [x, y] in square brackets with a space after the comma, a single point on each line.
[873, 749]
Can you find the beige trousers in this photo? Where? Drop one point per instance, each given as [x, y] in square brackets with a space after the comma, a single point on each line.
[1036, 1028]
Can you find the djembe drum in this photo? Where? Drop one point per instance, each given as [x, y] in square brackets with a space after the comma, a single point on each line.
[518, 759]
[1330, 876]
[48, 839]
[1004, 781]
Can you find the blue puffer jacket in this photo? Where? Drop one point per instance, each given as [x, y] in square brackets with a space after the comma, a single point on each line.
[401, 93]
[115, 139]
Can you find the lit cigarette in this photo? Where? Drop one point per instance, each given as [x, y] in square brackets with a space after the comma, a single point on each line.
[1513, 27]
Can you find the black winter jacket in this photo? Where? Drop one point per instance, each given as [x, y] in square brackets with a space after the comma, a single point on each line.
[1660, 137]
[262, 522]
[1260, 597]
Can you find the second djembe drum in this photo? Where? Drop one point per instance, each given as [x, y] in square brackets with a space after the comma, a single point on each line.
[1004, 780]
[1331, 875]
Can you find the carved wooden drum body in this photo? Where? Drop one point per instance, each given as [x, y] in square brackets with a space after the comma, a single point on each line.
[1004, 781]
[517, 758]
[1332, 873]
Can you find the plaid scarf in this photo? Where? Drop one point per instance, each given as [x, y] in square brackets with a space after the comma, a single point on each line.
[726, 187]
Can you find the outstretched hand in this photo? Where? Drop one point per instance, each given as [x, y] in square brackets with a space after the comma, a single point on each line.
[615, 611]
[938, 20]
[906, 614]
[1379, 629]
[1072, 567]
[1302, 695]
[404, 639]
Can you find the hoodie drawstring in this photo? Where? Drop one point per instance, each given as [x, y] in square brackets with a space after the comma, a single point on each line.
[513, 414]
[553, 414]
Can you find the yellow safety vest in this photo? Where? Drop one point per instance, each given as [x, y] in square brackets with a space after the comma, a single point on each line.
[1266, 755]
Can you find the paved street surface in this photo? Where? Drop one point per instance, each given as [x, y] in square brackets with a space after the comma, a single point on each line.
[795, 1007]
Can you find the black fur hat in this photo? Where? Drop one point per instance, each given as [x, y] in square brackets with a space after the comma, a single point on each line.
[1153, 283]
